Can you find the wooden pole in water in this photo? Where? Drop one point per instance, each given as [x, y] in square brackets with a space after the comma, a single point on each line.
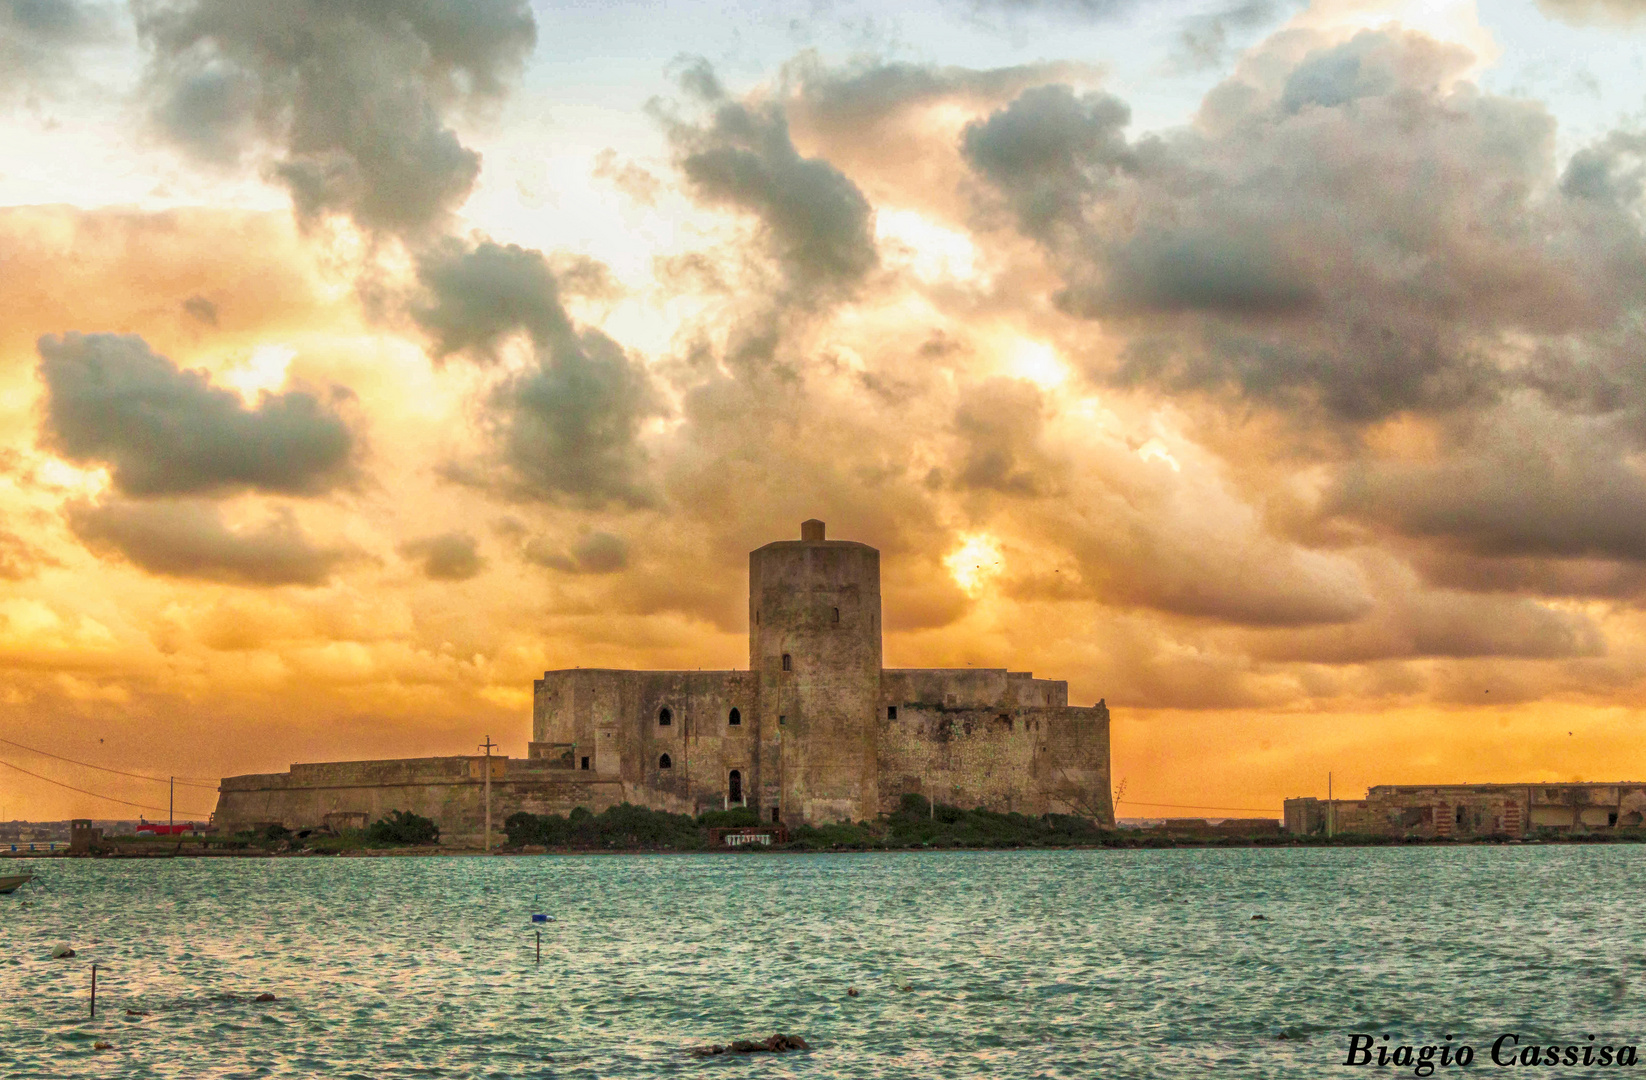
[487, 747]
[94, 991]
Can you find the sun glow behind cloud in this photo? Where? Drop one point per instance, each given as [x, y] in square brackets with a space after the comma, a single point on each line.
[975, 563]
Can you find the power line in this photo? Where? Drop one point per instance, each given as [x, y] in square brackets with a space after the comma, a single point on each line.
[95, 795]
[1180, 806]
[186, 782]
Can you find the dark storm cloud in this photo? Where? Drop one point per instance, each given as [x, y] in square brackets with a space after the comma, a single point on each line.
[352, 93]
[1357, 235]
[453, 556]
[189, 539]
[38, 37]
[566, 425]
[1558, 487]
[596, 553]
[815, 221]
[1050, 152]
[999, 421]
[163, 430]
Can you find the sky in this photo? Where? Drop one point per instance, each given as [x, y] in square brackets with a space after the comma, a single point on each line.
[1271, 371]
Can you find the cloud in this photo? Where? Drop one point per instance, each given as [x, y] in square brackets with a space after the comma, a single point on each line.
[201, 309]
[163, 430]
[566, 425]
[999, 420]
[596, 553]
[815, 221]
[39, 37]
[19, 559]
[1594, 12]
[189, 539]
[352, 95]
[1531, 483]
[453, 556]
[1345, 236]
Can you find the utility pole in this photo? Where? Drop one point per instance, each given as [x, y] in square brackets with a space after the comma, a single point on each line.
[171, 808]
[487, 747]
[1331, 810]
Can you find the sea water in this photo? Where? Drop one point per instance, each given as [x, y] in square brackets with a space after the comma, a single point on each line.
[993, 964]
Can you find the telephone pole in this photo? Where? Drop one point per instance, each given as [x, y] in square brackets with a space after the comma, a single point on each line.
[171, 808]
[487, 747]
[1331, 808]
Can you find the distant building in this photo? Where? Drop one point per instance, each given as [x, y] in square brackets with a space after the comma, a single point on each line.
[817, 730]
[1460, 810]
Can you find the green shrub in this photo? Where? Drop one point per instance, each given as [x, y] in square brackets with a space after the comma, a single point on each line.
[403, 827]
[625, 826]
[736, 818]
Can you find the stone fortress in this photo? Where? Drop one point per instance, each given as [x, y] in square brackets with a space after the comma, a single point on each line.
[815, 731]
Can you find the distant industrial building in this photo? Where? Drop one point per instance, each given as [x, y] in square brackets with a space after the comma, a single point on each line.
[1465, 810]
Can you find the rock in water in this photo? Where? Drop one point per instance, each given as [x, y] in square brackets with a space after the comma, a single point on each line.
[61, 952]
[264, 996]
[100, 1045]
[777, 1044]
[851, 991]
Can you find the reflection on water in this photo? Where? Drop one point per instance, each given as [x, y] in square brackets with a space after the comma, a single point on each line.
[1044, 964]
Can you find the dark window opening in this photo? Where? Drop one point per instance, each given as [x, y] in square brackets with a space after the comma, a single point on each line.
[735, 718]
[836, 614]
[736, 792]
[1611, 819]
[664, 762]
[1459, 815]
[891, 712]
[775, 818]
[664, 718]
[585, 764]
[781, 720]
[787, 664]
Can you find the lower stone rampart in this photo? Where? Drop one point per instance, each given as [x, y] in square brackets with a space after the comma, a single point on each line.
[450, 791]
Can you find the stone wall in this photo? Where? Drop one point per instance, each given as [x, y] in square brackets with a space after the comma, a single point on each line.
[450, 791]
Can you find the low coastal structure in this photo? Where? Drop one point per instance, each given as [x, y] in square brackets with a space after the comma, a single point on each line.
[1463, 810]
[815, 731]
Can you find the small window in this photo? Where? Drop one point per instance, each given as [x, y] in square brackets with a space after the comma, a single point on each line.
[585, 764]
[775, 818]
[787, 663]
[891, 712]
[1460, 815]
[836, 614]
[664, 718]
[781, 720]
[735, 718]
[735, 787]
[664, 762]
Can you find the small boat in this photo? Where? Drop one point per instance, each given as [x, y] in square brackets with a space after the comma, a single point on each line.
[10, 883]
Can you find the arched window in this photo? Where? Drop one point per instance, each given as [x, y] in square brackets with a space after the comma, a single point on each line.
[735, 718]
[836, 614]
[736, 787]
[664, 762]
[664, 717]
[787, 666]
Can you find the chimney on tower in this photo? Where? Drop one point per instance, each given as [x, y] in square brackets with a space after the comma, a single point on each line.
[811, 531]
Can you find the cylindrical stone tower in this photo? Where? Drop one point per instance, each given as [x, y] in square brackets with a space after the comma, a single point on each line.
[814, 639]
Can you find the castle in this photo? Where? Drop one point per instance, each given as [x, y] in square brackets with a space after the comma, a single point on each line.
[816, 730]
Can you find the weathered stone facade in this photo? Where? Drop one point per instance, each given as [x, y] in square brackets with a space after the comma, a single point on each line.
[815, 731]
[1464, 810]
